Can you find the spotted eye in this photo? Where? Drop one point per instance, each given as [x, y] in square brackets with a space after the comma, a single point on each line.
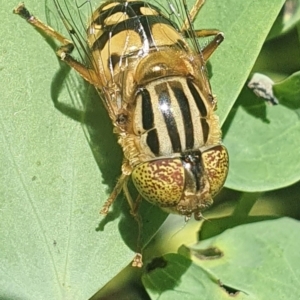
[216, 163]
[160, 181]
[185, 184]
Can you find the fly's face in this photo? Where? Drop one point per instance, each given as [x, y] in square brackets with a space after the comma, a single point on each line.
[146, 63]
[184, 184]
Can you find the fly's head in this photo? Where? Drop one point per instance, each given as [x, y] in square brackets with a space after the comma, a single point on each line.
[183, 184]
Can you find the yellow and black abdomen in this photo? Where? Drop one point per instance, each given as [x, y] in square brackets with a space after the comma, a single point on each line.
[122, 32]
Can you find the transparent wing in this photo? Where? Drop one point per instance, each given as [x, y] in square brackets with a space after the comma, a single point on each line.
[71, 17]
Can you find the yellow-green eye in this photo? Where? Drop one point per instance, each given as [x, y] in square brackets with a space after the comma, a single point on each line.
[160, 181]
[216, 162]
[185, 184]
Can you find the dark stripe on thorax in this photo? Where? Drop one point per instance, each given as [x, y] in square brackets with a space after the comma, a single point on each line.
[164, 102]
[148, 122]
[199, 102]
[186, 113]
[202, 109]
[205, 129]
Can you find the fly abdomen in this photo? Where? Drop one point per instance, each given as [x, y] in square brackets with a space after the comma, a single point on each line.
[120, 30]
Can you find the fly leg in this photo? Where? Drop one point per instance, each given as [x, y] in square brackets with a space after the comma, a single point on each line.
[122, 184]
[191, 15]
[134, 205]
[188, 30]
[214, 44]
[116, 191]
[64, 52]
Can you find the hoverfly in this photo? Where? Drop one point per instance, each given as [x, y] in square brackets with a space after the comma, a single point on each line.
[156, 91]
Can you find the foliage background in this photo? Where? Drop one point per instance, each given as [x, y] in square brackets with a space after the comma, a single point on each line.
[56, 173]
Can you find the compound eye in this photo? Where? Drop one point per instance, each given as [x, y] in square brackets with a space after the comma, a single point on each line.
[216, 162]
[160, 181]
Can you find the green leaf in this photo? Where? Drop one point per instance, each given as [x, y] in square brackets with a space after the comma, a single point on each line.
[234, 59]
[173, 276]
[279, 57]
[288, 19]
[262, 142]
[254, 261]
[288, 91]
